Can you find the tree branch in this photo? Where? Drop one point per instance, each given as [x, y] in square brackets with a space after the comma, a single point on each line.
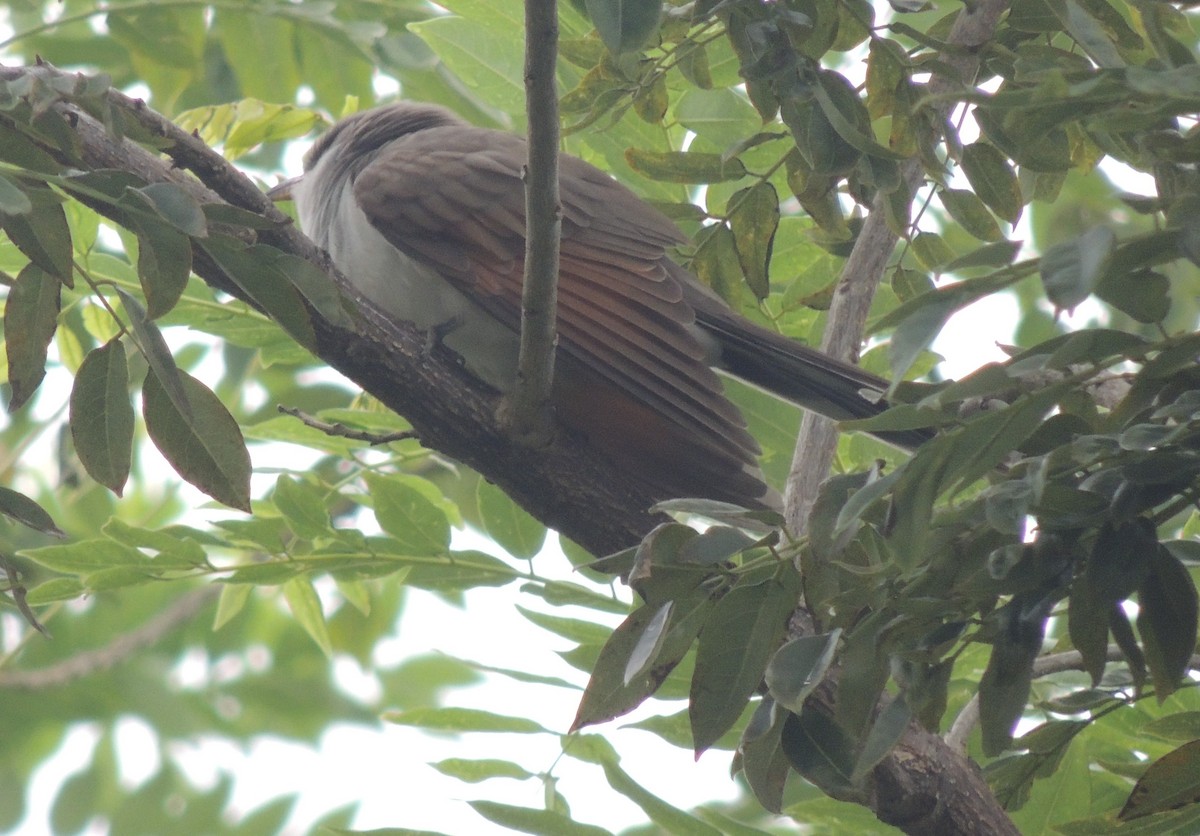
[864, 268]
[923, 786]
[529, 402]
[180, 611]
[1070, 660]
[453, 413]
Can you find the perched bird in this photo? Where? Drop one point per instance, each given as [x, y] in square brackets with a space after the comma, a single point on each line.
[425, 214]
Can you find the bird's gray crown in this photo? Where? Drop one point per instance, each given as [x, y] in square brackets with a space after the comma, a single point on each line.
[365, 132]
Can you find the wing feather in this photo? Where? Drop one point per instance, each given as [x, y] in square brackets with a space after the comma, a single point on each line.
[453, 198]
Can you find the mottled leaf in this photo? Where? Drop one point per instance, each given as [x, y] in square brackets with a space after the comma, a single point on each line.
[993, 180]
[753, 220]
[684, 167]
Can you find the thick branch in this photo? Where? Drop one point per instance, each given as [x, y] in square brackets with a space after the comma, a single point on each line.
[530, 400]
[451, 411]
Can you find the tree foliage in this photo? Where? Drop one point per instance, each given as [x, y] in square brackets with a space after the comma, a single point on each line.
[1040, 552]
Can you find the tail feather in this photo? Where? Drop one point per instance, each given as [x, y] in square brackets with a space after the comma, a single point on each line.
[800, 374]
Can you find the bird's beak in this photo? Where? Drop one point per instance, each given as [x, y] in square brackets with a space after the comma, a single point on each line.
[284, 190]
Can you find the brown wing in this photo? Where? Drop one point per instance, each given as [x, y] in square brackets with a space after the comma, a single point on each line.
[453, 198]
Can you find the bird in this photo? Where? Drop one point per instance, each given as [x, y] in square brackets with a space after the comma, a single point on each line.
[425, 215]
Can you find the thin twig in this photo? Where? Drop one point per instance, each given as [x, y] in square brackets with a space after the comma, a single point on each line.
[1070, 660]
[846, 321]
[340, 430]
[529, 402]
[83, 664]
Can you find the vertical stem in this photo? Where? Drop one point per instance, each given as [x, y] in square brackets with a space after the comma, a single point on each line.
[529, 414]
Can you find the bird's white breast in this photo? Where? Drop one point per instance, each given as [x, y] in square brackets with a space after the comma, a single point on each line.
[399, 285]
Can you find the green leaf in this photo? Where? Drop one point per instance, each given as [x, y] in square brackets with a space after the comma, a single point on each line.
[624, 25]
[164, 264]
[610, 691]
[738, 639]
[417, 526]
[753, 223]
[30, 320]
[931, 251]
[848, 115]
[474, 771]
[86, 556]
[970, 212]
[649, 643]
[887, 66]
[716, 262]
[175, 206]
[17, 506]
[1070, 270]
[303, 506]
[1118, 564]
[993, 180]
[458, 571]
[271, 573]
[508, 524]
[722, 117]
[13, 201]
[302, 600]
[538, 822]
[1171, 781]
[233, 599]
[798, 667]
[1004, 688]
[819, 750]
[1167, 620]
[482, 44]
[998, 254]
[1182, 726]
[917, 331]
[1090, 34]
[315, 286]
[55, 589]
[205, 445]
[565, 593]
[101, 416]
[256, 270]
[118, 577]
[670, 819]
[685, 167]
[43, 235]
[886, 731]
[463, 720]
[763, 762]
[154, 348]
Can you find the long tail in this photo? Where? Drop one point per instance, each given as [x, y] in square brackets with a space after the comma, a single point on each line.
[802, 375]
